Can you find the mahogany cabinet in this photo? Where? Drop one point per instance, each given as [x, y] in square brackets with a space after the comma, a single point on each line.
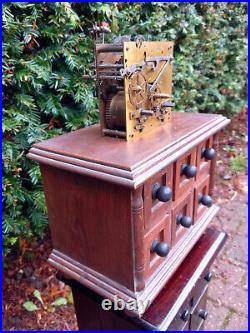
[180, 306]
[124, 215]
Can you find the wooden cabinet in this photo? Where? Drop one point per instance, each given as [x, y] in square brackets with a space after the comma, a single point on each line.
[180, 306]
[120, 212]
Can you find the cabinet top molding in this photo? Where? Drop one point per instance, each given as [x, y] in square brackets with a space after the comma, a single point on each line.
[128, 163]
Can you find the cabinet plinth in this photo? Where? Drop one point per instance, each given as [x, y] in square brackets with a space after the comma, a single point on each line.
[180, 306]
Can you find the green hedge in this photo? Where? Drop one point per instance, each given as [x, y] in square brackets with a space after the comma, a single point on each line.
[46, 50]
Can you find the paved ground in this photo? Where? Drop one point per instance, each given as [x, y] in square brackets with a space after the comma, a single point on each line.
[228, 292]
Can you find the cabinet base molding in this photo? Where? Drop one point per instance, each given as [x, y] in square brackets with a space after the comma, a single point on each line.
[185, 293]
[111, 290]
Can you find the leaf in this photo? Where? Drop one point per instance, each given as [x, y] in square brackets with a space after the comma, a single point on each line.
[37, 295]
[60, 301]
[30, 306]
[70, 298]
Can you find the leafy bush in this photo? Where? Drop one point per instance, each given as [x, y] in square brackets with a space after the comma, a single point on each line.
[46, 50]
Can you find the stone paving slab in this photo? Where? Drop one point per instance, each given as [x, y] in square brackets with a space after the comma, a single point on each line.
[216, 316]
[236, 323]
[237, 249]
[231, 296]
[230, 274]
[228, 292]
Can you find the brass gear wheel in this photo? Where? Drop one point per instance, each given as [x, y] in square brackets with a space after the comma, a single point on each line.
[138, 89]
[115, 114]
[107, 111]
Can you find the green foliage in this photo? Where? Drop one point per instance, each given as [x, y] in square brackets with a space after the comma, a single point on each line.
[46, 50]
[238, 163]
[60, 301]
[45, 53]
[30, 306]
[210, 72]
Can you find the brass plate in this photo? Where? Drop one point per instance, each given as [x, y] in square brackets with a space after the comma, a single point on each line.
[135, 54]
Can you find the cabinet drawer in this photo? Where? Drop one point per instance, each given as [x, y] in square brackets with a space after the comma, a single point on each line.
[154, 208]
[181, 322]
[160, 234]
[182, 217]
[199, 314]
[204, 164]
[201, 287]
[201, 191]
[183, 180]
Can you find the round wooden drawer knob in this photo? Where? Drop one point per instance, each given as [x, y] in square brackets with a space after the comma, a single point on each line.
[205, 200]
[188, 170]
[160, 248]
[162, 193]
[185, 221]
[208, 153]
[203, 314]
[208, 276]
[185, 315]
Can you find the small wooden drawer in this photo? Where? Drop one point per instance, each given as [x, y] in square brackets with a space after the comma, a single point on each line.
[154, 209]
[160, 233]
[201, 189]
[181, 321]
[181, 181]
[203, 164]
[201, 287]
[199, 314]
[182, 217]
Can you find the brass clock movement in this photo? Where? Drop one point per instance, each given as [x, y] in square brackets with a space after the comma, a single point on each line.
[134, 84]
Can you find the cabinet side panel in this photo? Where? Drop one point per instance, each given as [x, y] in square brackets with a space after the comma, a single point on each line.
[91, 316]
[90, 221]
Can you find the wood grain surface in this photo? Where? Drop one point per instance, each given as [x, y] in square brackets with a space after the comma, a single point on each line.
[85, 151]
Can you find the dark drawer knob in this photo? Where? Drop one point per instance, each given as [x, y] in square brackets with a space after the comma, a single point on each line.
[208, 276]
[185, 221]
[203, 314]
[185, 315]
[188, 170]
[205, 200]
[162, 193]
[208, 153]
[160, 248]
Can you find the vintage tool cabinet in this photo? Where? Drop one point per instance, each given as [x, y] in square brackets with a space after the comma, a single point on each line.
[125, 214]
